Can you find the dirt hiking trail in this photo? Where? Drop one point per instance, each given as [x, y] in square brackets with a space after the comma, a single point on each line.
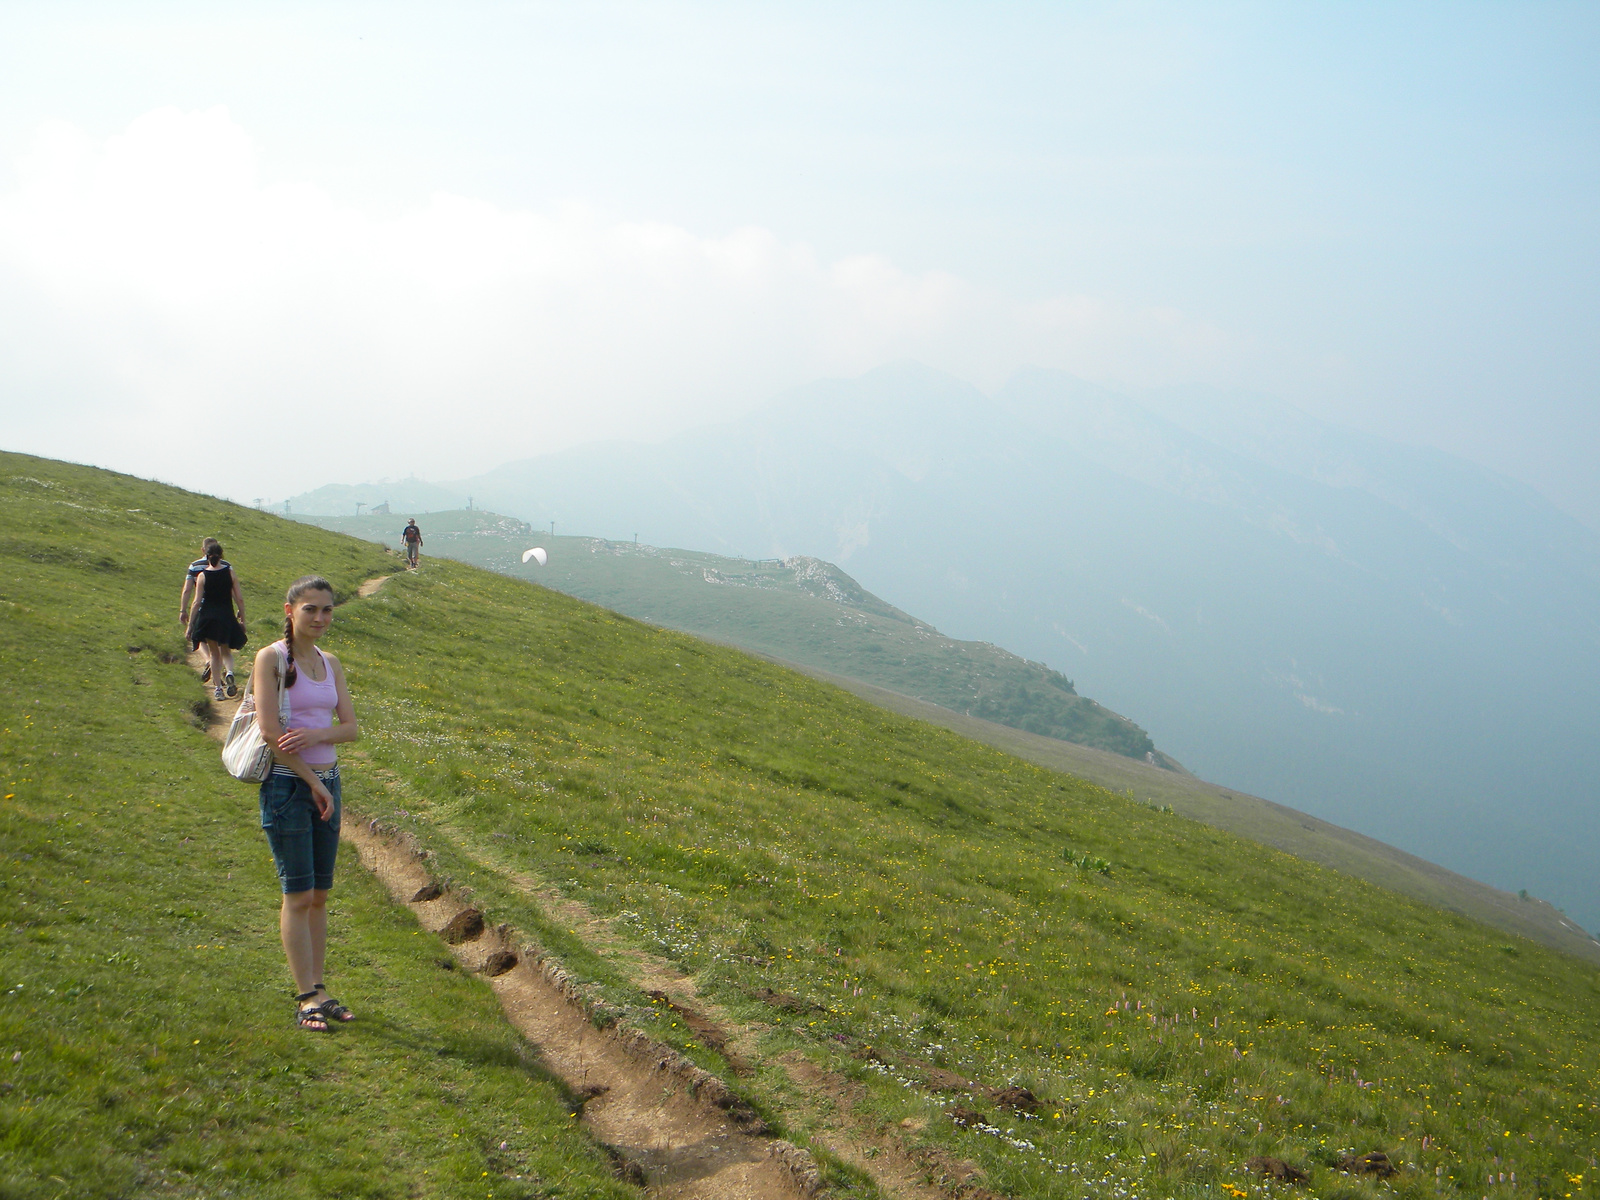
[672, 1127]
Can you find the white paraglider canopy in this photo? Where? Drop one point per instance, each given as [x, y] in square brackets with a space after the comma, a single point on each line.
[537, 554]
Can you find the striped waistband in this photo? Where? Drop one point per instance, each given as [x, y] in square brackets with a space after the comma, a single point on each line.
[327, 776]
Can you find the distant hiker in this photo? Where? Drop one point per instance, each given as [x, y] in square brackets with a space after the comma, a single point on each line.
[216, 592]
[412, 536]
[300, 799]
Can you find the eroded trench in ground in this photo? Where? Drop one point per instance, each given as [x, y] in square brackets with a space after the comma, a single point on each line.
[672, 1127]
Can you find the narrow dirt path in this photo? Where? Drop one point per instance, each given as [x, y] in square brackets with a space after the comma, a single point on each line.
[674, 1127]
[901, 1172]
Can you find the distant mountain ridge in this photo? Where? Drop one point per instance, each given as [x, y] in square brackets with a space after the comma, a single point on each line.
[1383, 636]
[801, 610]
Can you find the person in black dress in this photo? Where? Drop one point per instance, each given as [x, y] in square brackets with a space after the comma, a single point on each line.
[217, 594]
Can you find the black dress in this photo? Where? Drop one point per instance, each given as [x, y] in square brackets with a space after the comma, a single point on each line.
[213, 619]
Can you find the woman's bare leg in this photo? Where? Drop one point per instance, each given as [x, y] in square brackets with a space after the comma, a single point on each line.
[214, 657]
[303, 925]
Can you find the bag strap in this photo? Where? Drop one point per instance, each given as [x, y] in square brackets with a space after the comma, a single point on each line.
[283, 698]
[249, 689]
[283, 692]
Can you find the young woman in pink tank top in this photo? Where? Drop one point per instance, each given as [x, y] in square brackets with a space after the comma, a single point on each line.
[300, 799]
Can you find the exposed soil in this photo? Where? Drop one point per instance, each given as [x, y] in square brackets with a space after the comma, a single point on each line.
[679, 1128]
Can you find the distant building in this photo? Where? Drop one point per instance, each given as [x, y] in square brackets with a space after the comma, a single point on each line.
[380, 510]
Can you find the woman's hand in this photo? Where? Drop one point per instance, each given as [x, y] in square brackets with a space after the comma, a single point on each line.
[295, 740]
[322, 798]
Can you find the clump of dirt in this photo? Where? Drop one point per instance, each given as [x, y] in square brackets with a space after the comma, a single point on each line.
[967, 1118]
[786, 1002]
[499, 962]
[465, 926]
[1377, 1163]
[1017, 1099]
[1275, 1168]
[940, 1080]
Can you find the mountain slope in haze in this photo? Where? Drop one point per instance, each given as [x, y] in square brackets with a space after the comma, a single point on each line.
[1385, 637]
[801, 610]
[407, 497]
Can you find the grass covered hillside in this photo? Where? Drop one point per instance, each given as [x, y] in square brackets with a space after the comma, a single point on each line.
[145, 1041]
[861, 898]
[1201, 1001]
[802, 610]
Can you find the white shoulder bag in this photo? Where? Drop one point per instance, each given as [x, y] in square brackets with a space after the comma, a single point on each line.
[245, 752]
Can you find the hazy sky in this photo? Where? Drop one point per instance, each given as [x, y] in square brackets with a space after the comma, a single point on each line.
[255, 248]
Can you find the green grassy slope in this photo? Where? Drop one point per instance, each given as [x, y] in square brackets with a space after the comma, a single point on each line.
[803, 610]
[865, 645]
[1261, 820]
[145, 1042]
[1207, 1000]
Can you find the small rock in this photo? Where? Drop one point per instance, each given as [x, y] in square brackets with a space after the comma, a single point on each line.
[463, 927]
[428, 891]
[1276, 1168]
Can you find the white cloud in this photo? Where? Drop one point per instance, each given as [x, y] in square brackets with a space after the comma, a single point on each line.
[162, 289]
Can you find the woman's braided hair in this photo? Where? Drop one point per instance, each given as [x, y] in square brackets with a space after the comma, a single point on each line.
[306, 583]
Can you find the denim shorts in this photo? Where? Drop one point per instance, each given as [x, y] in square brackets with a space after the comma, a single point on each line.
[303, 844]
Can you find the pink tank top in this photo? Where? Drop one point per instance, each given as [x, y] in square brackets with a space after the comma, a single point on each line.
[311, 706]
